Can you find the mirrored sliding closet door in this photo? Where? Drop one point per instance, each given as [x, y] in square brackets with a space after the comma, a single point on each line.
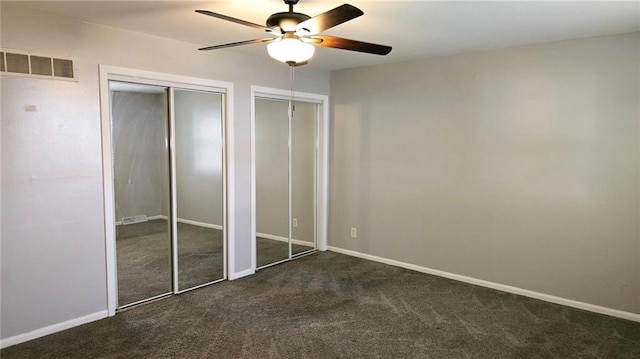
[139, 132]
[285, 147]
[199, 187]
[303, 177]
[169, 189]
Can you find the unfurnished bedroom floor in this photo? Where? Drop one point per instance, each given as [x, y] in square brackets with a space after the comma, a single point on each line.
[329, 305]
[144, 257]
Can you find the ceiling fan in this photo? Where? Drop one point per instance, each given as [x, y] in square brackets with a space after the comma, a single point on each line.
[295, 34]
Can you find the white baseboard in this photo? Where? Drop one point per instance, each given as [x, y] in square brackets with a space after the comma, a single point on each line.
[302, 243]
[272, 236]
[181, 220]
[21, 338]
[285, 239]
[502, 287]
[149, 218]
[244, 273]
[199, 224]
[160, 216]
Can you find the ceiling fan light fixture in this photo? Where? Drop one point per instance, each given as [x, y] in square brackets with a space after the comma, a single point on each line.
[290, 50]
[297, 34]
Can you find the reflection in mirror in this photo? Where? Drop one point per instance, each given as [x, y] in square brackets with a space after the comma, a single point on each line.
[272, 180]
[303, 157]
[199, 187]
[141, 190]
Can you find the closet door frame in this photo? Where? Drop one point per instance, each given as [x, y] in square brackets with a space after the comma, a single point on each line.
[322, 168]
[115, 73]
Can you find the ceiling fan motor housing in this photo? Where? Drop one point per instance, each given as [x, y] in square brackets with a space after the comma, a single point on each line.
[287, 21]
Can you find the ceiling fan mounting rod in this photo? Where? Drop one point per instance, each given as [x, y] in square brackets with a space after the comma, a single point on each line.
[291, 3]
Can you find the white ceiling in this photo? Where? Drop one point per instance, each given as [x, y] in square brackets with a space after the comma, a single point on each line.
[415, 29]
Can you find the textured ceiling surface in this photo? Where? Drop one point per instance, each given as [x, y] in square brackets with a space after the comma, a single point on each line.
[415, 29]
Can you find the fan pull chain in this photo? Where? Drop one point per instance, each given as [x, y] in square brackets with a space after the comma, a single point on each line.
[292, 81]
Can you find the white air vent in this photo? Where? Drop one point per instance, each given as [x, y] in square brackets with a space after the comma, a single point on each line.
[41, 66]
[17, 63]
[63, 68]
[134, 219]
[25, 64]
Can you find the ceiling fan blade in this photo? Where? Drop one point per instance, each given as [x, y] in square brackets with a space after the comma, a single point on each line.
[329, 19]
[353, 45]
[238, 21]
[239, 43]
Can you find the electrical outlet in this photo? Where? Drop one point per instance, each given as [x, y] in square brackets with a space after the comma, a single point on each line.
[354, 232]
[295, 223]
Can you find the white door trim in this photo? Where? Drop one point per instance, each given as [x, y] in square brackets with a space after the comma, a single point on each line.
[323, 163]
[156, 78]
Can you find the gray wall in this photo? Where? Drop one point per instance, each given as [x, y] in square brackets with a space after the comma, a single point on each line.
[199, 156]
[272, 168]
[303, 145]
[53, 235]
[516, 166]
[140, 157]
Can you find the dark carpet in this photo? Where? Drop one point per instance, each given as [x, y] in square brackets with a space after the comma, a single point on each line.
[329, 305]
[144, 258]
[269, 251]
